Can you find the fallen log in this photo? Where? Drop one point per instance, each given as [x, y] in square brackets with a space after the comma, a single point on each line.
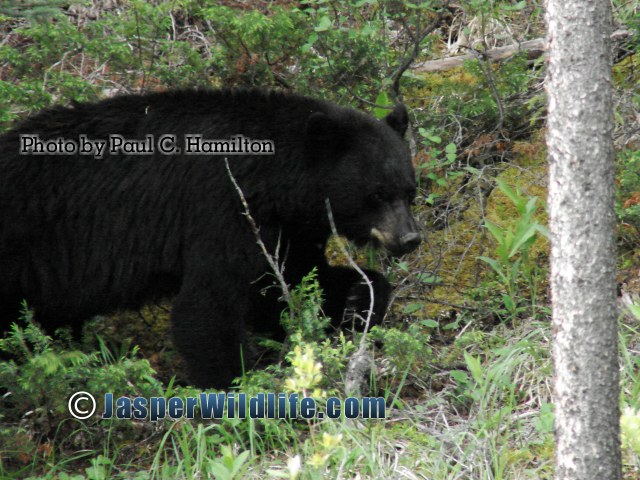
[533, 48]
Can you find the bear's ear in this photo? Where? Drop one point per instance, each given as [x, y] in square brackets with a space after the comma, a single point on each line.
[398, 119]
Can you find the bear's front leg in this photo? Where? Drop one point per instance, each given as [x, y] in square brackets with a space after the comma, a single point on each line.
[346, 293]
[208, 331]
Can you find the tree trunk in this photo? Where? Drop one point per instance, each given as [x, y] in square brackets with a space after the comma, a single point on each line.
[582, 221]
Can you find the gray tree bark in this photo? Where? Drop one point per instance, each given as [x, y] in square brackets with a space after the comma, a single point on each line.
[582, 224]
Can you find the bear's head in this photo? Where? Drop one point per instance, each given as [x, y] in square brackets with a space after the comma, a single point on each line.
[364, 169]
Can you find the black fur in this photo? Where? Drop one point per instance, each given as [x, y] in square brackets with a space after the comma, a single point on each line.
[80, 236]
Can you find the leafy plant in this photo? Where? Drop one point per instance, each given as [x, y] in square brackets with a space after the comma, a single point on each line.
[33, 10]
[43, 372]
[437, 164]
[511, 261]
[303, 319]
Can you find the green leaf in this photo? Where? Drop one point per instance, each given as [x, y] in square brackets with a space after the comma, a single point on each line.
[383, 101]
[474, 366]
[428, 135]
[523, 238]
[313, 38]
[412, 308]
[459, 376]
[635, 310]
[515, 268]
[367, 30]
[451, 148]
[402, 265]
[495, 266]
[431, 323]
[428, 278]
[324, 24]
[512, 195]
[431, 198]
[239, 462]
[531, 205]
[543, 230]
[515, 7]
[496, 231]
[451, 325]
[508, 302]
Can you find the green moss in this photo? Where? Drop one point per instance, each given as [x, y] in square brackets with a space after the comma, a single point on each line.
[452, 251]
[532, 182]
[147, 328]
[457, 81]
[625, 72]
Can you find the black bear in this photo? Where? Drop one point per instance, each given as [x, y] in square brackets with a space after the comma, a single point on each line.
[153, 213]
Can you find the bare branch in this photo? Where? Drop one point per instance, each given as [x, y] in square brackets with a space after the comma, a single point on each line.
[419, 37]
[360, 362]
[271, 259]
[356, 267]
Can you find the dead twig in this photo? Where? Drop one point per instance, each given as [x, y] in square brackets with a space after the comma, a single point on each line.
[415, 51]
[360, 362]
[278, 270]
